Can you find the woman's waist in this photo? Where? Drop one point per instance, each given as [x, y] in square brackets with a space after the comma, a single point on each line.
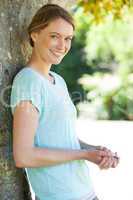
[77, 169]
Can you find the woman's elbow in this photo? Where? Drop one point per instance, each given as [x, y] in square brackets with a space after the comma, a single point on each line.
[19, 164]
[20, 160]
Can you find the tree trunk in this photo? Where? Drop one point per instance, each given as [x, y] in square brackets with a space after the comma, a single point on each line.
[14, 17]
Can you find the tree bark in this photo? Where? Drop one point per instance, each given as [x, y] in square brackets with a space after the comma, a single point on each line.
[64, 3]
[15, 15]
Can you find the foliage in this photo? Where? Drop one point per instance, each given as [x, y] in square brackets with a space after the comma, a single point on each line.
[109, 97]
[83, 25]
[105, 44]
[109, 49]
[99, 9]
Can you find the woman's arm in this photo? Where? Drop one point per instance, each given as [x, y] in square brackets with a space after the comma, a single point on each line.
[86, 146]
[106, 162]
[25, 154]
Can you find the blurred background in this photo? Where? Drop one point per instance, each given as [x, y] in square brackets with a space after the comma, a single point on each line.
[99, 68]
[99, 75]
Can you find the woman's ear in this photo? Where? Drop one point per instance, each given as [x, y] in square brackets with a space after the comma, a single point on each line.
[34, 36]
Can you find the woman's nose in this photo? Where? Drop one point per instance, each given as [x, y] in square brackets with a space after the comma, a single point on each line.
[61, 44]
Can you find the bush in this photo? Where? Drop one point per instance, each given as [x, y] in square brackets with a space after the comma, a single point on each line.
[109, 97]
[109, 48]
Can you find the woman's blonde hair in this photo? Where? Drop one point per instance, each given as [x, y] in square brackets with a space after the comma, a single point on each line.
[45, 15]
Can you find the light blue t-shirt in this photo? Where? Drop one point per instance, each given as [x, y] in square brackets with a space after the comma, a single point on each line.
[56, 129]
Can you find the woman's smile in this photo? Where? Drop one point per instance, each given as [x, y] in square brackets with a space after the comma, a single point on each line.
[56, 53]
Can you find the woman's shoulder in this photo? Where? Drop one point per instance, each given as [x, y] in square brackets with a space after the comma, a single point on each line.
[26, 75]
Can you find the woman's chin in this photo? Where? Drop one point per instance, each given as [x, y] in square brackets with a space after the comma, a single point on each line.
[56, 62]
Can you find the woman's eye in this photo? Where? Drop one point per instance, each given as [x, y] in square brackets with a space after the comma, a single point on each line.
[69, 39]
[53, 36]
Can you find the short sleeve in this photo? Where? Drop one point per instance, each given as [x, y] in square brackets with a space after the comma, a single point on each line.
[26, 86]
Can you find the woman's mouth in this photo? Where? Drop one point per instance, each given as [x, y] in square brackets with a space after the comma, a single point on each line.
[57, 54]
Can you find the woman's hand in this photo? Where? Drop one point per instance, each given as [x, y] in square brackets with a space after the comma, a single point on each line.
[108, 162]
[96, 156]
[116, 160]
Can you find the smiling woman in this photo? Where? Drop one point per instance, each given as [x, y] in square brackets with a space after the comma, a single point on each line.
[54, 41]
[44, 133]
[50, 33]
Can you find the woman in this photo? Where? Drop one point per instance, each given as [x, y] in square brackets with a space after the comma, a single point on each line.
[44, 136]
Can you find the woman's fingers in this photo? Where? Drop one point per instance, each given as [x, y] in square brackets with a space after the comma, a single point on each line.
[103, 159]
[109, 160]
[103, 163]
[106, 163]
[116, 162]
[102, 148]
[104, 153]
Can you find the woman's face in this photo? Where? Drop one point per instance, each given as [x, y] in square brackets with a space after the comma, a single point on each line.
[53, 42]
